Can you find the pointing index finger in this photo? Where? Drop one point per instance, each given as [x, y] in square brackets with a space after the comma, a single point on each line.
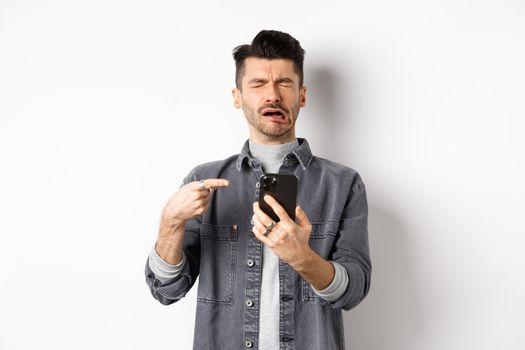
[211, 184]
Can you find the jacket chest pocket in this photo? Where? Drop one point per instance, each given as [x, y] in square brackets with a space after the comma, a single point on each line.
[322, 240]
[217, 263]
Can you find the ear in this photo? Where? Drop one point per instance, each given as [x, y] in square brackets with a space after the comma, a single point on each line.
[236, 93]
[302, 96]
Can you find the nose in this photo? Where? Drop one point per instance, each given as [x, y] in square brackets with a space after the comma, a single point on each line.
[272, 94]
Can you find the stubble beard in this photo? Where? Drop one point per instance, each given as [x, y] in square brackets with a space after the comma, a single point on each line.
[255, 119]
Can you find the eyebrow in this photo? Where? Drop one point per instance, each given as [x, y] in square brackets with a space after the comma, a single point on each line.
[284, 80]
[257, 80]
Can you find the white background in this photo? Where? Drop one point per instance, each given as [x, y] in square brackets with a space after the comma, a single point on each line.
[106, 105]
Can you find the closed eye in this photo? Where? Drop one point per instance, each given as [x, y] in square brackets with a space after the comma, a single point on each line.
[285, 82]
[257, 82]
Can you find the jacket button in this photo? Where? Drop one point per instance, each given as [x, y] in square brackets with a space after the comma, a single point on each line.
[257, 185]
[250, 262]
[249, 303]
[248, 344]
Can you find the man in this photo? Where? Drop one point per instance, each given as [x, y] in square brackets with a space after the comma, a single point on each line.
[266, 285]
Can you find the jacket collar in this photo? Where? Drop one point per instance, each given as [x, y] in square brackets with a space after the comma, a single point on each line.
[301, 153]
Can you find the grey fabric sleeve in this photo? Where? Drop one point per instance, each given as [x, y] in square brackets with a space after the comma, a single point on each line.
[161, 269]
[338, 285]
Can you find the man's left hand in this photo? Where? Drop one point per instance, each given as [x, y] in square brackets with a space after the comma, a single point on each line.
[287, 239]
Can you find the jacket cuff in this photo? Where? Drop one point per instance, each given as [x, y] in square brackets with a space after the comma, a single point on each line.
[161, 269]
[338, 285]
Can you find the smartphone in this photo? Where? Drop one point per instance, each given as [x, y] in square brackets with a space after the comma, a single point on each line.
[281, 187]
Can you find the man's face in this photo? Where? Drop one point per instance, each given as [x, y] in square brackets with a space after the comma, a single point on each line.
[270, 97]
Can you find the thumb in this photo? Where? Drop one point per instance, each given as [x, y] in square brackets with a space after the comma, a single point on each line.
[301, 218]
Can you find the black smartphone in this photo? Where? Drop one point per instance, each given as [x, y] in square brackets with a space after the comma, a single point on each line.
[281, 187]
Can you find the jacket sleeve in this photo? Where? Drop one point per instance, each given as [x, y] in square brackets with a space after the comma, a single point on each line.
[173, 290]
[351, 248]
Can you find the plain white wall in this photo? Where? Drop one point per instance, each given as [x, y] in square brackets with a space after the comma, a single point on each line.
[106, 105]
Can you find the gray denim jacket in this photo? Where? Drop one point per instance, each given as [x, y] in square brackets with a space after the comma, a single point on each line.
[224, 253]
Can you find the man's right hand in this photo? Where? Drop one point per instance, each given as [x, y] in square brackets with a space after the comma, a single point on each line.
[189, 201]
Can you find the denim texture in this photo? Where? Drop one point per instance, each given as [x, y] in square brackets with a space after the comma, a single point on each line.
[224, 254]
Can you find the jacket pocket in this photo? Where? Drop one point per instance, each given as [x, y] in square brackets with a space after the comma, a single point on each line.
[322, 240]
[217, 263]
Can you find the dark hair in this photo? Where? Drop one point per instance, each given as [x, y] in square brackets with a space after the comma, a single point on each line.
[269, 44]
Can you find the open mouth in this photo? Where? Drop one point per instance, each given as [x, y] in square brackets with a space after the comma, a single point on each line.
[273, 113]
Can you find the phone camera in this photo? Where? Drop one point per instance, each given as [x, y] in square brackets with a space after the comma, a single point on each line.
[269, 183]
